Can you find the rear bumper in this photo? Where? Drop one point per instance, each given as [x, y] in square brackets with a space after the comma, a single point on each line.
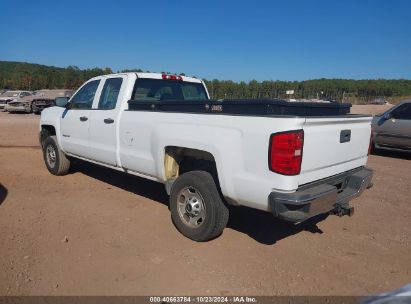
[320, 197]
[19, 108]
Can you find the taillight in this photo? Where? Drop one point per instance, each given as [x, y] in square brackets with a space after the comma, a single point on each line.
[371, 142]
[171, 77]
[286, 152]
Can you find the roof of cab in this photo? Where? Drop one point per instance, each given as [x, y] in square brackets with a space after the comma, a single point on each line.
[160, 76]
[151, 76]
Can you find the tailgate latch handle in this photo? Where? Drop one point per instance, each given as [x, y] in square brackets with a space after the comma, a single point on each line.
[345, 136]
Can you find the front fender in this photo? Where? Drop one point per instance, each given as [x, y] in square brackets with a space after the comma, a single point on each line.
[52, 117]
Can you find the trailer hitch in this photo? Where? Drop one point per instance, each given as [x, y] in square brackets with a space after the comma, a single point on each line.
[342, 210]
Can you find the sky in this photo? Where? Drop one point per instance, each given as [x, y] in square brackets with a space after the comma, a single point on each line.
[232, 40]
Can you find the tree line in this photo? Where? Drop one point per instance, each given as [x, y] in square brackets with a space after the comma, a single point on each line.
[27, 76]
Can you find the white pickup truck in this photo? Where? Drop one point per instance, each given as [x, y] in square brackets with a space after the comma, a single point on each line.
[295, 160]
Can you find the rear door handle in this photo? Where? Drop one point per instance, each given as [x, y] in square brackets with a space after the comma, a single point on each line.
[83, 118]
[108, 120]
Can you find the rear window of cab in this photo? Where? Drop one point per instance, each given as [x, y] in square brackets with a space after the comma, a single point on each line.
[146, 89]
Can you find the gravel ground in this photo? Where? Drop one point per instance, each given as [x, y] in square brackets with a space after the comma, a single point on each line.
[369, 109]
[100, 232]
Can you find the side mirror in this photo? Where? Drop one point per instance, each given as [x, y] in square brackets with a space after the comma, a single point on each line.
[62, 102]
[387, 116]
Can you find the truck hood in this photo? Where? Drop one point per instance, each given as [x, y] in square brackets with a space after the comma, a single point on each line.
[51, 112]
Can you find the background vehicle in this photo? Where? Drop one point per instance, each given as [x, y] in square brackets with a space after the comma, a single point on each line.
[378, 101]
[9, 96]
[392, 130]
[47, 98]
[295, 160]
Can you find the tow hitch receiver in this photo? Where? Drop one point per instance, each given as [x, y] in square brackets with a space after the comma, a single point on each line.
[343, 210]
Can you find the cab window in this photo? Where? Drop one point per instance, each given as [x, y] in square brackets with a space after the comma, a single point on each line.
[402, 112]
[146, 89]
[84, 98]
[109, 95]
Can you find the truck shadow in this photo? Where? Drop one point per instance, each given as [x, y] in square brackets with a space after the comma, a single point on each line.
[3, 193]
[266, 229]
[260, 226]
[134, 184]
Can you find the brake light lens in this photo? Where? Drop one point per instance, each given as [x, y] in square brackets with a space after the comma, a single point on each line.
[286, 152]
[171, 77]
[371, 141]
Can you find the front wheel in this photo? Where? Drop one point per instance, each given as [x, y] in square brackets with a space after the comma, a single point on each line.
[56, 161]
[196, 206]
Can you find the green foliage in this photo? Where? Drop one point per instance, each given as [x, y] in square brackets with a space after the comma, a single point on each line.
[330, 89]
[27, 76]
[131, 70]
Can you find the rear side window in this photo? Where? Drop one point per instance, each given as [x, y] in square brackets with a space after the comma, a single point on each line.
[84, 98]
[158, 90]
[402, 112]
[109, 95]
[191, 92]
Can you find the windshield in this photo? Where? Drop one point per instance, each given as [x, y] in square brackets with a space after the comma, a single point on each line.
[146, 89]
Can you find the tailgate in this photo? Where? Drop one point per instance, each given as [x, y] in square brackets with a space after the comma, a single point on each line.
[334, 145]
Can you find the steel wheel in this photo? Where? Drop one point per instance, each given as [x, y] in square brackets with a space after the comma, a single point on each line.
[191, 207]
[196, 206]
[51, 156]
[56, 161]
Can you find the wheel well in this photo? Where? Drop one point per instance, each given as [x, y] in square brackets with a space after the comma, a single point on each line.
[179, 160]
[46, 131]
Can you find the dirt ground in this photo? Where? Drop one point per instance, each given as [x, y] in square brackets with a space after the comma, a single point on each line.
[369, 109]
[100, 232]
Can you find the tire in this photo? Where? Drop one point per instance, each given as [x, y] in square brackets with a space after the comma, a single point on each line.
[197, 209]
[55, 160]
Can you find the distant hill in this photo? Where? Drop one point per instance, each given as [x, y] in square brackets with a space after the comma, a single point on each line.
[29, 76]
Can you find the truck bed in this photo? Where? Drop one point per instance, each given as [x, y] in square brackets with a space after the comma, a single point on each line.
[249, 107]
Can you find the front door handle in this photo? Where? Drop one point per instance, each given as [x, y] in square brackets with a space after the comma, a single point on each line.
[83, 118]
[108, 120]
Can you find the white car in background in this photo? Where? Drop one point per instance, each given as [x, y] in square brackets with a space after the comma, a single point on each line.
[10, 96]
[21, 104]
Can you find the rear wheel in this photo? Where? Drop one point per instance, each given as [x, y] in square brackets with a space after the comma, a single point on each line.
[196, 206]
[56, 161]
